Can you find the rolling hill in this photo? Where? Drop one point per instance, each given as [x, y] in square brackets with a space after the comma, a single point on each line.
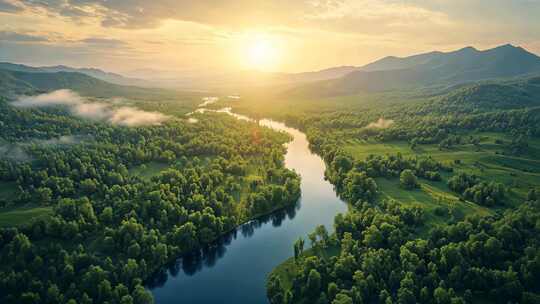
[13, 83]
[490, 96]
[92, 72]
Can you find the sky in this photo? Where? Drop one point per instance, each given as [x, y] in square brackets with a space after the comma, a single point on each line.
[272, 35]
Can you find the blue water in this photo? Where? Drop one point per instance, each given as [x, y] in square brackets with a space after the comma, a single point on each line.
[234, 270]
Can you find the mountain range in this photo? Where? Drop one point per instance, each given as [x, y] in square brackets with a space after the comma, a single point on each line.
[428, 70]
[434, 69]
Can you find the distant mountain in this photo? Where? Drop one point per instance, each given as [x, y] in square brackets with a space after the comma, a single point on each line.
[13, 83]
[330, 73]
[234, 80]
[191, 79]
[399, 63]
[432, 70]
[96, 73]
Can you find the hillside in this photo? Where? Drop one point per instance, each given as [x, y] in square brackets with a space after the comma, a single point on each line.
[435, 69]
[489, 96]
[13, 83]
[92, 72]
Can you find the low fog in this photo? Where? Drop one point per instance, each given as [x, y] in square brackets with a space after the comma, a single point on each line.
[208, 100]
[62, 140]
[381, 124]
[13, 152]
[81, 107]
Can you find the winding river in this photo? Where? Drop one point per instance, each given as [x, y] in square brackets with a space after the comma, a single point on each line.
[234, 270]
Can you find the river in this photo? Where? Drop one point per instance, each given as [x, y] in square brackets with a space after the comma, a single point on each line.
[234, 270]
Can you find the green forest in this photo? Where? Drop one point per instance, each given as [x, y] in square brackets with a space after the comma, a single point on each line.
[90, 220]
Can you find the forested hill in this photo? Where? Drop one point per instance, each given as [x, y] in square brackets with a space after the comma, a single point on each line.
[92, 72]
[490, 96]
[14, 83]
[434, 69]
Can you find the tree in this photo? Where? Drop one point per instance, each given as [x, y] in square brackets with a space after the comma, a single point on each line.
[414, 143]
[332, 290]
[106, 215]
[408, 180]
[314, 283]
[532, 196]
[274, 290]
[323, 235]
[373, 237]
[298, 248]
[441, 296]
[44, 195]
[142, 296]
[342, 298]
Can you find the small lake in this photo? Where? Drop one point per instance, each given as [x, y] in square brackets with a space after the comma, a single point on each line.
[234, 270]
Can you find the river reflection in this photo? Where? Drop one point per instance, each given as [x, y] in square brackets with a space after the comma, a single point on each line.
[208, 256]
[235, 267]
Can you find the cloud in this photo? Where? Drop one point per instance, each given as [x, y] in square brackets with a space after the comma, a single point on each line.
[150, 14]
[381, 124]
[21, 37]
[7, 6]
[94, 110]
[78, 106]
[104, 42]
[128, 116]
[137, 14]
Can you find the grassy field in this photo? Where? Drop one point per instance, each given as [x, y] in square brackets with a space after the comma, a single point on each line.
[485, 160]
[432, 197]
[8, 190]
[488, 160]
[15, 217]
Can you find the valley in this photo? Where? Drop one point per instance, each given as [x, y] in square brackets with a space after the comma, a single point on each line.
[408, 180]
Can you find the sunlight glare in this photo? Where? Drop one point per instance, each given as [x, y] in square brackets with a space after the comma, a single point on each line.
[262, 54]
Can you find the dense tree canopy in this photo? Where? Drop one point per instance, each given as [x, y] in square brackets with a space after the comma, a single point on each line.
[110, 229]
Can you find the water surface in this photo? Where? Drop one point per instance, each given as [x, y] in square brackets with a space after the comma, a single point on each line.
[234, 270]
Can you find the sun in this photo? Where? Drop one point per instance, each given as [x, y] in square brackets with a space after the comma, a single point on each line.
[262, 54]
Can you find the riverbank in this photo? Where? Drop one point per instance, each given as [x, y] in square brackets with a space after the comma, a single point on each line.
[236, 269]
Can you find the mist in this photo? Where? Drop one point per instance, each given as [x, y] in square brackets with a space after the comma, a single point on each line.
[381, 124]
[55, 98]
[62, 140]
[14, 152]
[208, 100]
[81, 107]
[129, 116]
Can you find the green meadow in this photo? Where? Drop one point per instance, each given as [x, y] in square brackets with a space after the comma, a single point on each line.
[489, 160]
[16, 217]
